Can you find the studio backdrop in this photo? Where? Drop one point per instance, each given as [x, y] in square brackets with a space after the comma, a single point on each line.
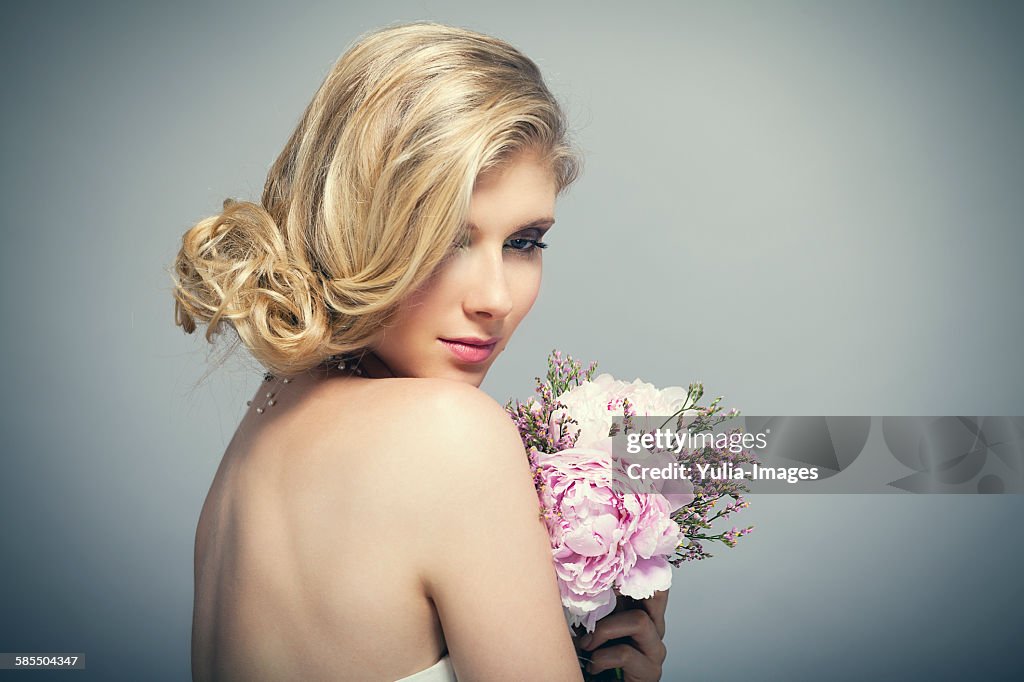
[814, 208]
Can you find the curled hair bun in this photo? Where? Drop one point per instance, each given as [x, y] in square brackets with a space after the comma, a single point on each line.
[234, 268]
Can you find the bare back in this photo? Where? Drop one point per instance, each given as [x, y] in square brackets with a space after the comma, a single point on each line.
[302, 570]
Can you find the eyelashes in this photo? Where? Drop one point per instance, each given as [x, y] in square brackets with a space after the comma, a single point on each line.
[521, 246]
[526, 247]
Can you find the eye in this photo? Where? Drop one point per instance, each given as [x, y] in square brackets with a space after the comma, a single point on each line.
[524, 245]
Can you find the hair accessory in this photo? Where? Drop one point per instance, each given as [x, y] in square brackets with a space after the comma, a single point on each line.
[344, 362]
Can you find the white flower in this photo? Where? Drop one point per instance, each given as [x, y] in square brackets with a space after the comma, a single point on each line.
[595, 404]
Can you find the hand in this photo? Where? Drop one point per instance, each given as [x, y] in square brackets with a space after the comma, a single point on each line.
[629, 638]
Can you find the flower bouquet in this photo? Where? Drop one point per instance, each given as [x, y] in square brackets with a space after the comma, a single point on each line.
[613, 541]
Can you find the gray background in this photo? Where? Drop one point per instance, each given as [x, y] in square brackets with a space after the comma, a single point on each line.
[812, 207]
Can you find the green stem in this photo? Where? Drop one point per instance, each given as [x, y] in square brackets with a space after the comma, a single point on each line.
[686, 405]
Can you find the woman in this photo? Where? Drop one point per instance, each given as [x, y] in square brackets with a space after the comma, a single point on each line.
[374, 514]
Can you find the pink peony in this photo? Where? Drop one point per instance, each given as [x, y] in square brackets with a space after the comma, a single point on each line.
[602, 540]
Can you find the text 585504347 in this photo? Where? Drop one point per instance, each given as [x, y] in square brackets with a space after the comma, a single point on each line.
[20, 661]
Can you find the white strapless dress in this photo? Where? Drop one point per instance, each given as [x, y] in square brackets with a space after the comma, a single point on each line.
[442, 671]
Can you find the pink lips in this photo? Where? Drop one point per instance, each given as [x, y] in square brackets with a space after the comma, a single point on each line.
[470, 350]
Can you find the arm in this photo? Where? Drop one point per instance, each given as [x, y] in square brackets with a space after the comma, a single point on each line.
[486, 558]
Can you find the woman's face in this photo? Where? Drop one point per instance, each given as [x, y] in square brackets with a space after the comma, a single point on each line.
[456, 324]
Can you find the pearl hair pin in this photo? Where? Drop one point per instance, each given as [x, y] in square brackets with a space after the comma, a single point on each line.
[344, 363]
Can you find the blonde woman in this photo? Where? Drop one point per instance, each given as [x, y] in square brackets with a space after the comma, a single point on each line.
[373, 517]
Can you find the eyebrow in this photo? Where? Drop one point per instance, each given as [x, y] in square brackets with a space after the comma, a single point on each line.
[542, 223]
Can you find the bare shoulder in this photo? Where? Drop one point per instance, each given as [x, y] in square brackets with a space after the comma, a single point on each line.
[437, 399]
[429, 438]
[442, 447]
[440, 415]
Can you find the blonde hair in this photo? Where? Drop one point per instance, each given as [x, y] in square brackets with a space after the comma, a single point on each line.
[369, 193]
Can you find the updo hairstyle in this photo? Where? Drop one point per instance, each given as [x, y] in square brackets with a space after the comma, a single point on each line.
[368, 195]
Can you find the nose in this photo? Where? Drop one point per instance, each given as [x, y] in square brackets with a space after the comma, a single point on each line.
[488, 294]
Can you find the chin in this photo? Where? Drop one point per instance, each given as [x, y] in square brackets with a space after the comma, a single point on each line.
[471, 378]
[464, 374]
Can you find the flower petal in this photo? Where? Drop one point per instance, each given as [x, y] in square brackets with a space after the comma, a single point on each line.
[647, 577]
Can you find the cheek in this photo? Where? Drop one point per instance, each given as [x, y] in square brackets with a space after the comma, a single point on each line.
[525, 289]
[414, 313]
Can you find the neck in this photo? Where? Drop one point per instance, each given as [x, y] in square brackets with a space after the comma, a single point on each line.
[374, 367]
[364, 363]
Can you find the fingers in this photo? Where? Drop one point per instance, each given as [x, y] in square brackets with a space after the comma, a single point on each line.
[631, 636]
[636, 666]
[635, 624]
[655, 607]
